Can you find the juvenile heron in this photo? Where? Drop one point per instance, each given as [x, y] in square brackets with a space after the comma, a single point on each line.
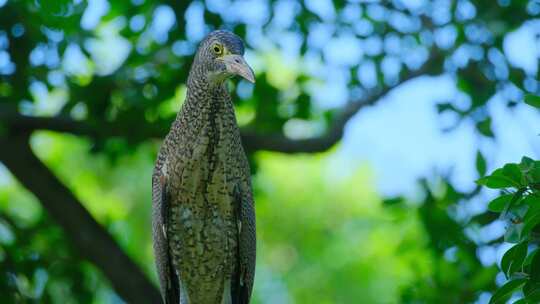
[203, 216]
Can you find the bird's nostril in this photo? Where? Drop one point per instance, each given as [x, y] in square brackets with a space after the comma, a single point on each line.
[237, 60]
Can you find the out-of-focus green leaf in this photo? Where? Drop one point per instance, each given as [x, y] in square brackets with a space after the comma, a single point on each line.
[526, 163]
[531, 291]
[531, 169]
[512, 260]
[481, 166]
[532, 217]
[484, 127]
[530, 256]
[502, 294]
[535, 267]
[499, 203]
[514, 233]
[532, 100]
[446, 106]
[54, 7]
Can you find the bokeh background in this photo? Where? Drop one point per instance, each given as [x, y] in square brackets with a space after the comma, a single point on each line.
[366, 129]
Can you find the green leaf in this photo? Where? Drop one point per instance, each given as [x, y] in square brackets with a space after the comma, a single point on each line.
[535, 267]
[484, 127]
[514, 233]
[530, 257]
[446, 106]
[532, 100]
[520, 301]
[513, 172]
[54, 7]
[526, 163]
[531, 291]
[513, 213]
[530, 223]
[480, 164]
[534, 174]
[499, 203]
[531, 170]
[495, 182]
[503, 293]
[512, 260]
[502, 178]
[532, 217]
[533, 201]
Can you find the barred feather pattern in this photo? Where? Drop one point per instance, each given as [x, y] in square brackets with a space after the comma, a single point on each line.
[205, 233]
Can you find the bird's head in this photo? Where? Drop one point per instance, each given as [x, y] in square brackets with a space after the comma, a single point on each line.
[220, 56]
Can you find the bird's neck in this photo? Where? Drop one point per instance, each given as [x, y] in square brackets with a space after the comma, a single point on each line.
[205, 103]
[206, 98]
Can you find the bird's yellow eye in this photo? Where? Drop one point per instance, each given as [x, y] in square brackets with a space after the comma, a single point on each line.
[218, 49]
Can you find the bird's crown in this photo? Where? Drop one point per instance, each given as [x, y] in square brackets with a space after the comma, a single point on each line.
[230, 40]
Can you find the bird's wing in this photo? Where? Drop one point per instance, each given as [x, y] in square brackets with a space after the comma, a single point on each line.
[245, 219]
[160, 214]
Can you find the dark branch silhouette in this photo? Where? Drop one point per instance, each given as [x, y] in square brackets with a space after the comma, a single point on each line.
[280, 143]
[252, 141]
[91, 240]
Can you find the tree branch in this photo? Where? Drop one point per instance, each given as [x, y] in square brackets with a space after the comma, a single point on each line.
[88, 237]
[24, 123]
[280, 143]
[252, 141]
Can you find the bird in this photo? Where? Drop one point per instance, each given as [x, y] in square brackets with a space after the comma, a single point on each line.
[203, 214]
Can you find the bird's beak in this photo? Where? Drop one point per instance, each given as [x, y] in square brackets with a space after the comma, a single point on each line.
[238, 66]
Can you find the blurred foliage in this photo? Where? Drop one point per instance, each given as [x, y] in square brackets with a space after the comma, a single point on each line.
[37, 263]
[57, 58]
[340, 239]
[120, 67]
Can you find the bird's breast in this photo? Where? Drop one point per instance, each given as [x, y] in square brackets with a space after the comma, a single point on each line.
[202, 225]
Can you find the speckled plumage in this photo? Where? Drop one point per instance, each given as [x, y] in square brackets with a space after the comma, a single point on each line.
[203, 213]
